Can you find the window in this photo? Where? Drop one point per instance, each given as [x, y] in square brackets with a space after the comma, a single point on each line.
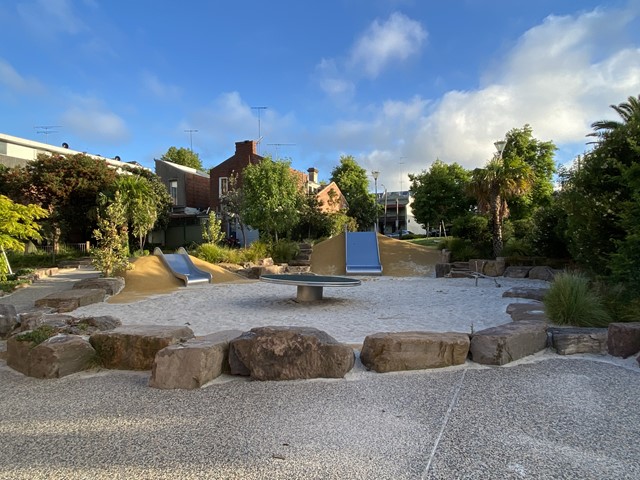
[223, 186]
[173, 191]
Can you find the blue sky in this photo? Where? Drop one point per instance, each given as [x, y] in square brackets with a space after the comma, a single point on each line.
[395, 83]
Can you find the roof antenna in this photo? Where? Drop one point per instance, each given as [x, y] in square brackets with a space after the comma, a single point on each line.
[259, 131]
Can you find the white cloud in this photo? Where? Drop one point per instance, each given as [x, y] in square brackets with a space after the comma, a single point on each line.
[396, 39]
[381, 45]
[44, 16]
[152, 84]
[560, 77]
[16, 82]
[89, 119]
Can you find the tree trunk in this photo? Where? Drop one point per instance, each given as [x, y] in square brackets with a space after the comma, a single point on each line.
[496, 218]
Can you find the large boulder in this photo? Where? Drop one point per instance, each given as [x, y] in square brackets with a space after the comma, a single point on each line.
[542, 273]
[69, 300]
[530, 293]
[8, 319]
[193, 363]
[390, 352]
[517, 271]
[443, 269]
[289, 353]
[623, 339]
[570, 340]
[134, 347]
[527, 311]
[110, 285]
[55, 357]
[506, 343]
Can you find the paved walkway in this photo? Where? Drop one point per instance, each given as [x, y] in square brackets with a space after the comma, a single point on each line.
[24, 298]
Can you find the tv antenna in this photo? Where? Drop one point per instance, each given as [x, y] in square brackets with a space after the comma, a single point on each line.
[46, 130]
[259, 109]
[277, 145]
[191, 132]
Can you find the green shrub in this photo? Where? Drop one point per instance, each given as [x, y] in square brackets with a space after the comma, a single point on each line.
[516, 247]
[571, 301]
[213, 253]
[256, 251]
[37, 335]
[283, 251]
[461, 249]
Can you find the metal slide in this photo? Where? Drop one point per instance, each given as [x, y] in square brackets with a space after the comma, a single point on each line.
[362, 253]
[182, 267]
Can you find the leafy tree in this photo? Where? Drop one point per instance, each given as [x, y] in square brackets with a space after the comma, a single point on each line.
[212, 230]
[352, 180]
[233, 204]
[494, 185]
[163, 201]
[183, 156]
[64, 185]
[440, 194]
[17, 223]
[522, 146]
[112, 252]
[272, 197]
[140, 205]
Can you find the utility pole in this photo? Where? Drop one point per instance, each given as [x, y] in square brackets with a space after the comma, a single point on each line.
[259, 109]
[191, 132]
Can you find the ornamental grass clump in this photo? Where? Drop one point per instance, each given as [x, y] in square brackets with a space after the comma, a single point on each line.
[571, 301]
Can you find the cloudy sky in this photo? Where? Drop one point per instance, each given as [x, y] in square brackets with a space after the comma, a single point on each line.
[394, 83]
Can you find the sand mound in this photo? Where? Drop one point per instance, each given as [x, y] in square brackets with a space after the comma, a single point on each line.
[149, 276]
[398, 258]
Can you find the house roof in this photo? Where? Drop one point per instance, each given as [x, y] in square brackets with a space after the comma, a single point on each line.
[183, 168]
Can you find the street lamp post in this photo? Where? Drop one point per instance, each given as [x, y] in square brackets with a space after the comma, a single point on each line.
[375, 174]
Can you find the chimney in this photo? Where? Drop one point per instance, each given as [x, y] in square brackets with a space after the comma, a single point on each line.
[248, 147]
[313, 175]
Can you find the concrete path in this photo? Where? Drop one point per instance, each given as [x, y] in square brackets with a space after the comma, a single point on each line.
[24, 298]
[551, 418]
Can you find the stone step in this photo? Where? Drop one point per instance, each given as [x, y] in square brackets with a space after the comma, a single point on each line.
[506, 343]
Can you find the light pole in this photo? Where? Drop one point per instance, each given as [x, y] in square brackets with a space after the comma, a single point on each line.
[500, 144]
[375, 174]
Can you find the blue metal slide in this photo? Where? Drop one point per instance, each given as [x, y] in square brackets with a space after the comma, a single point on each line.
[362, 253]
[182, 267]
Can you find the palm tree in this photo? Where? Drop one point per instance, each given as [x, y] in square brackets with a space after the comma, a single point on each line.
[496, 183]
[140, 204]
[628, 111]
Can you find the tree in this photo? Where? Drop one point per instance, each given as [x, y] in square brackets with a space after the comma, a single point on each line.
[140, 204]
[17, 223]
[353, 182]
[67, 187]
[499, 181]
[183, 156]
[272, 197]
[629, 111]
[163, 201]
[441, 193]
[112, 252]
[522, 146]
[233, 204]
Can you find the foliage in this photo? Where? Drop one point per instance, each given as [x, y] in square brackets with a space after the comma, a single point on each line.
[272, 197]
[440, 194]
[183, 156]
[37, 335]
[66, 186]
[111, 253]
[283, 251]
[539, 156]
[213, 253]
[353, 182]
[547, 234]
[17, 223]
[233, 204]
[461, 249]
[474, 228]
[602, 199]
[138, 198]
[163, 201]
[494, 185]
[571, 301]
[314, 223]
[212, 229]
[42, 259]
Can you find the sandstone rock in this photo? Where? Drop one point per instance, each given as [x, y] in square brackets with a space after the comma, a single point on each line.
[524, 292]
[288, 353]
[509, 342]
[8, 319]
[19, 354]
[71, 299]
[134, 347]
[494, 268]
[390, 352]
[517, 271]
[102, 323]
[60, 356]
[527, 311]
[32, 319]
[569, 340]
[542, 273]
[193, 363]
[443, 269]
[623, 339]
[110, 285]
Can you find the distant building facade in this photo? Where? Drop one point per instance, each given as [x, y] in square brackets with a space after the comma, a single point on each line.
[396, 214]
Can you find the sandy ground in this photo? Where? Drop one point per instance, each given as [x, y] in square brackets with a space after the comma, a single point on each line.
[407, 297]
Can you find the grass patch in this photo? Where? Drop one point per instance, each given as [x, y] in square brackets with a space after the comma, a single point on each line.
[431, 242]
[571, 301]
[37, 335]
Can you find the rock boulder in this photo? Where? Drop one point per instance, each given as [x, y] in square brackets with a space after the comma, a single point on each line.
[623, 339]
[389, 352]
[506, 343]
[69, 300]
[8, 319]
[525, 292]
[570, 340]
[110, 285]
[289, 353]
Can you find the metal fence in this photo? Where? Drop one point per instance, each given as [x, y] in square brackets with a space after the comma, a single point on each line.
[82, 247]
